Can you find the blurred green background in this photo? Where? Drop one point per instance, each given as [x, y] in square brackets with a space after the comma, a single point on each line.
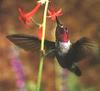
[81, 17]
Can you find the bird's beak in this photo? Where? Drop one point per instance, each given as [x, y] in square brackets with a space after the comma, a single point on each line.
[58, 22]
[59, 25]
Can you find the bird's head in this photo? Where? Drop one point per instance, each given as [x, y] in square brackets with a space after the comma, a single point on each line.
[61, 32]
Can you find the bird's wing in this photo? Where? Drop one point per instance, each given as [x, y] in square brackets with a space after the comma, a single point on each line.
[29, 43]
[81, 49]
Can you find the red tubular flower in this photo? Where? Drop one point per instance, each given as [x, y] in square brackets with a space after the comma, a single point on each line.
[40, 32]
[25, 17]
[53, 14]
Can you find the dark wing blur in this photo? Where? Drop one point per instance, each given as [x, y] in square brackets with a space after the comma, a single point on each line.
[83, 48]
[29, 43]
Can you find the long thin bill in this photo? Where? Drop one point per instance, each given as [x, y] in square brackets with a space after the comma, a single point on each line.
[58, 22]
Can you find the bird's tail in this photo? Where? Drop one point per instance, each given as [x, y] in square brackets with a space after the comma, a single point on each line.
[75, 70]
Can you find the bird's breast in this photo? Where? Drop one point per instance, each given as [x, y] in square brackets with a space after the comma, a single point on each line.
[64, 47]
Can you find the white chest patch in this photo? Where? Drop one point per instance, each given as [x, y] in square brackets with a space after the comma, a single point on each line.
[64, 46]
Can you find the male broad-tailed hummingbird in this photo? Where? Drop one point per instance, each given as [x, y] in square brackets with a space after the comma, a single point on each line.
[67, 53]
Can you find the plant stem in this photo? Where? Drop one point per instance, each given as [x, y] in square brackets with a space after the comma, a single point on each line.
[42, 47]
[40, 74]
[44, 25]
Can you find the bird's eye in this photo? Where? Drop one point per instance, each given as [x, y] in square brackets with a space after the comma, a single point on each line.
[66, 29]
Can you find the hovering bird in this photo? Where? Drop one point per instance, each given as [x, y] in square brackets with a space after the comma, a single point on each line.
[67, 53]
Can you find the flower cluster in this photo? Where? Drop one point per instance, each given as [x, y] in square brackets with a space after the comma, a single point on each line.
[53, 14]
[26, 17]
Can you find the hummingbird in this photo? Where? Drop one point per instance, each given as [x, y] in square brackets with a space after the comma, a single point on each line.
[67, 53]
